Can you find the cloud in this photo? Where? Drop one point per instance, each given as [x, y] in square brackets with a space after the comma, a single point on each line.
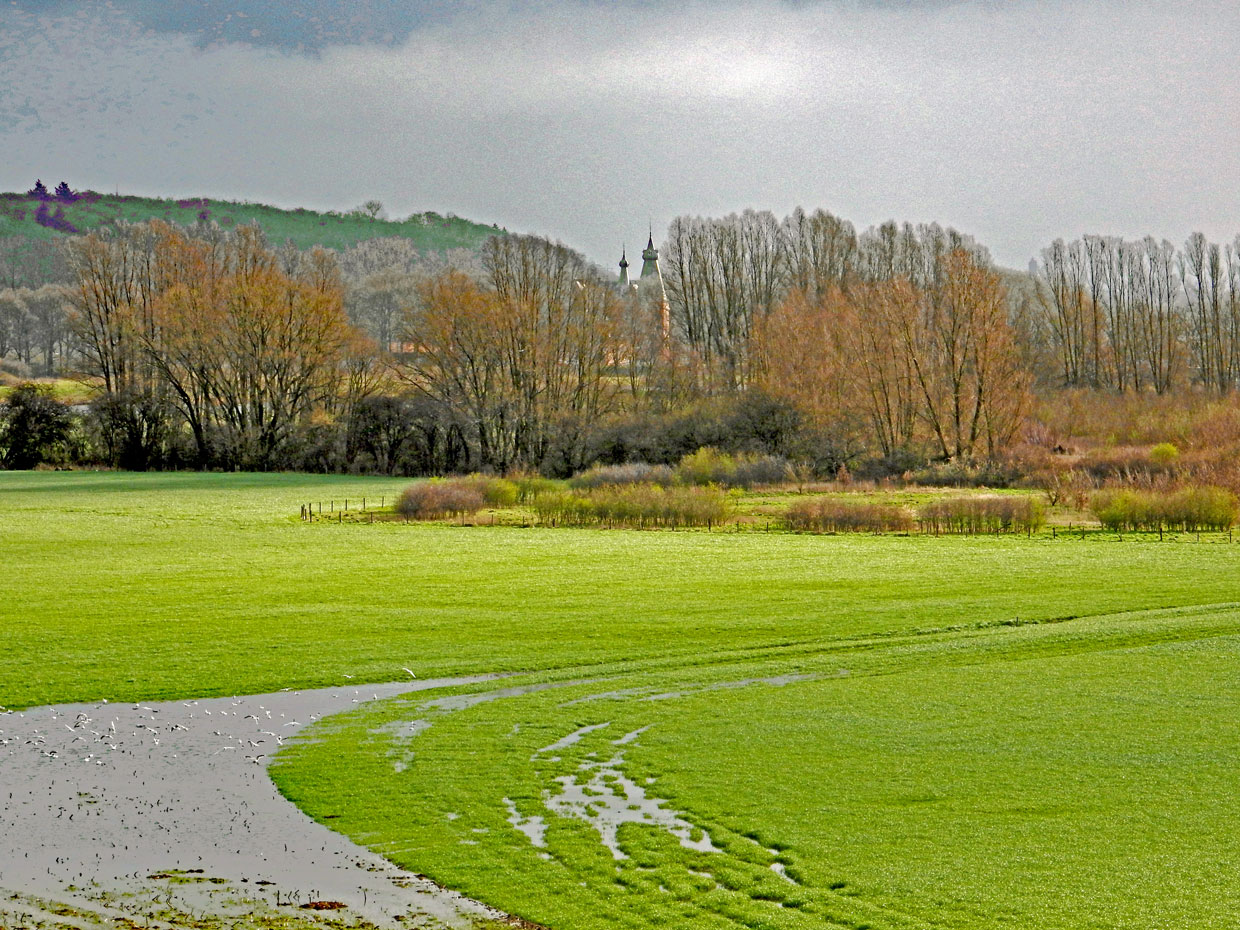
[1016, 122]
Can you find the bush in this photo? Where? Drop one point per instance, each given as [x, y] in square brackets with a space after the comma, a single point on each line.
[754, 471]
[1126, 464]
[832, 515]
[707, 466]
[974, 515]
[319, 447]
[711, 466]
[1164, 454]
[35, 428]
[749, 422]
[530, 487]
[437, 498]
[962, 474]
[14, 367]
[1067, 487]
[495, 492]
[613, 475]
[133, 430]
[1189, 509]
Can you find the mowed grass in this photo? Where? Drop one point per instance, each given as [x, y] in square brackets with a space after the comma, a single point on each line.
[158, 586]
[1062, 775]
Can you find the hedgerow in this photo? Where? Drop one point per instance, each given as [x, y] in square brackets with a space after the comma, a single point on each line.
[639, 506]
[832, 515]
[1189, 509]
[978, 515]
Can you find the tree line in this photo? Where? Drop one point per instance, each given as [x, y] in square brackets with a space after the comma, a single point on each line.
[1143, 315]
[794, 336]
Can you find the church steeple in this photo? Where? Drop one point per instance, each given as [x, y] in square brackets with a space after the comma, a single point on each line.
[651, 270]
[650, 258]
[624, 269]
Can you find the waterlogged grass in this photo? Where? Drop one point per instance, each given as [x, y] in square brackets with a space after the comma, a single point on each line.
[158, 586]
[1060, 775]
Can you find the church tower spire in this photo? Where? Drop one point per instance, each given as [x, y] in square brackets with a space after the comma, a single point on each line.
[650, 258]
[624, 269]
[650, 269]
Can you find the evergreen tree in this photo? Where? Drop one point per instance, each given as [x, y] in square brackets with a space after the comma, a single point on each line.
[39, 190]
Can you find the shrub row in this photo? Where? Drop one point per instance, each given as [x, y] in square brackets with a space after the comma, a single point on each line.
[1188, 509]
[706, 466]
[965, 515]
[978, 515]
[639, 506]
[832, 515]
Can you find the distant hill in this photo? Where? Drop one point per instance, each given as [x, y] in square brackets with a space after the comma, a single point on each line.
[28, 216]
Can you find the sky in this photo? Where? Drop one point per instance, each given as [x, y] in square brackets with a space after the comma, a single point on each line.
[1016, 121]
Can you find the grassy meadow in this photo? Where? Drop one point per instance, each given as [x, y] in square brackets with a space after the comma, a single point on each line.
[65, 390]
[871, 731]
[305, 228]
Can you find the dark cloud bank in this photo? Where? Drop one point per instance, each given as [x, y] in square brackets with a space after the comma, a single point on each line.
[1017, 122]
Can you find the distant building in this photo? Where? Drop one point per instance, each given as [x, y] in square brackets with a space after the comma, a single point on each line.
[650, 281]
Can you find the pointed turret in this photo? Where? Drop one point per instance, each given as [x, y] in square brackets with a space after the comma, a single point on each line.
[650, 258]
[624, 269]
[651, 270]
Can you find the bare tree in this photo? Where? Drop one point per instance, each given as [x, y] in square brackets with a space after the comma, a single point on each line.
[972, 390]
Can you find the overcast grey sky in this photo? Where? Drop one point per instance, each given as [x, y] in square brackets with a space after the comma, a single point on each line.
[1016, 121]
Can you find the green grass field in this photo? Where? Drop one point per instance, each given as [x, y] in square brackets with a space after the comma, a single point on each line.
[917, 731]
[65, 390]
[1068, 775]
[305, 228]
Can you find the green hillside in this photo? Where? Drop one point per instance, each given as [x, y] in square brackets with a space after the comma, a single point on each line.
[23, 215]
